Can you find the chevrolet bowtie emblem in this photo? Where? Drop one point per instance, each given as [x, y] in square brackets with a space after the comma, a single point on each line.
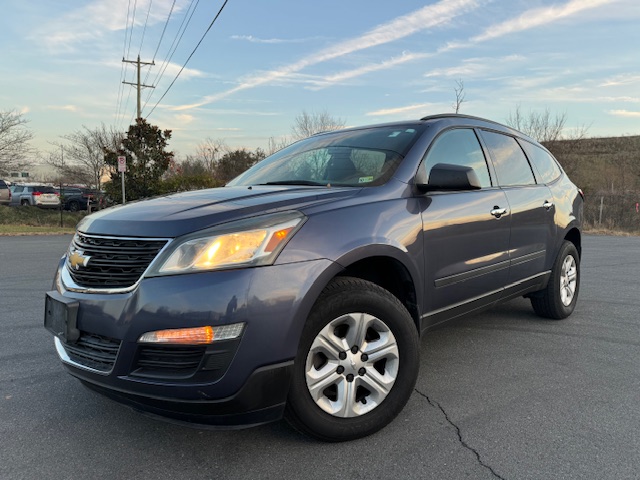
[77, 260]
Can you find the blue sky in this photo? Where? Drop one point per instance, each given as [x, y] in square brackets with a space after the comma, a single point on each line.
[364, 61]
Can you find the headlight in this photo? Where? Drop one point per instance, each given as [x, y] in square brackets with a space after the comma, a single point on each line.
[256, 241]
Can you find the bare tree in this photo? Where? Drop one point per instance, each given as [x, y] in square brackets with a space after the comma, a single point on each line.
[543, 126]
[460, 95]
[14, 140]
[84, 154]
[209, 153]
[275, 145]
[307, 124]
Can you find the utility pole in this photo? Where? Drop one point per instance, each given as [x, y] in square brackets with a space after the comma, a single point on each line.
[138, 84]
[61, 197]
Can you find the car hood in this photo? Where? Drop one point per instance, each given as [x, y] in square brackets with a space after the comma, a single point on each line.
[178, 214]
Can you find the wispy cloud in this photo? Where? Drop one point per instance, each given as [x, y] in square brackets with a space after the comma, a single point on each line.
[475, 67]
[252, 39]
[626, 79]
[400, 110]
[65, 108]
[98, 17]
[365, 69]
[539, 16]
[624, 113]
[400, 27]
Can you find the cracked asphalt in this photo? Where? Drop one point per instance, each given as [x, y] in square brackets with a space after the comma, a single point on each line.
[503, 394]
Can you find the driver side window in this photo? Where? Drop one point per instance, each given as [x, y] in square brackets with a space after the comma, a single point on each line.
[459, 146]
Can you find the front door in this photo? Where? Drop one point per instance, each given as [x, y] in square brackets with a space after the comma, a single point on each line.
[466, 237]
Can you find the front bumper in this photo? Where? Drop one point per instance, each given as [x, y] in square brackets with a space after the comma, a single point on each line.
[236, 382]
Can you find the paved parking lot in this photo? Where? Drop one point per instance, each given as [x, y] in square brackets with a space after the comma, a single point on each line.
[500, 395]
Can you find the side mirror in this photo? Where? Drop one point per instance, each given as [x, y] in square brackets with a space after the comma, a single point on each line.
[445, 176]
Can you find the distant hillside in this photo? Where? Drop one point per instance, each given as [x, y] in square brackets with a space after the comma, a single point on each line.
[608, 171]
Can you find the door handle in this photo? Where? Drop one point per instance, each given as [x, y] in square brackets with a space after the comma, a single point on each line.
[547, 204]
[498, 212]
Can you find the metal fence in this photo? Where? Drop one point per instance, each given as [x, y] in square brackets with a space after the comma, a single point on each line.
[613, 211]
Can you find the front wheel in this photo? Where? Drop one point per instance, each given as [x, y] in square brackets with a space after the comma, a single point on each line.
[357, 362]
[558, 300]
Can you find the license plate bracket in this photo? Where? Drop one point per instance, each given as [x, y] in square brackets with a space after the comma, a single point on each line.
[61, 316]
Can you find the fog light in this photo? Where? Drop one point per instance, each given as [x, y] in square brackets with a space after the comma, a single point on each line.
[194, 335]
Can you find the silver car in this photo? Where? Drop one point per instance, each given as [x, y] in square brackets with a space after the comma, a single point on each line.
[38, 195]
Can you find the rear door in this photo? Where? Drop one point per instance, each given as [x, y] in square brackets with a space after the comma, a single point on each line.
[465, 244]
[532, 211]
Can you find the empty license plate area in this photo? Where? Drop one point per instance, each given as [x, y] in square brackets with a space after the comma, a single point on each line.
[60, 316]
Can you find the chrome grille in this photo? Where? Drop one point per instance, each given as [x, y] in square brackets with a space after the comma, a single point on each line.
[113, 262]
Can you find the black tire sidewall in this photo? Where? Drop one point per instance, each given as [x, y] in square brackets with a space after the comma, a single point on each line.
[349, 295]
[560, 310]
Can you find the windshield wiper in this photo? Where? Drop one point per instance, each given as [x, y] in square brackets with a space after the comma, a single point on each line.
[295, 182]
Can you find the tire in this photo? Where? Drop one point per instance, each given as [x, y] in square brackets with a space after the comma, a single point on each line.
[24, 203]
[558, 300]
[73, 206]
[357, 362]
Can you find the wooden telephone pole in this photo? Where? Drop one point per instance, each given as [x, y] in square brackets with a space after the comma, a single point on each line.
[138, 84]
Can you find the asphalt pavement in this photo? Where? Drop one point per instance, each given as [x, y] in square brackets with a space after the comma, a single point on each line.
[503, 394]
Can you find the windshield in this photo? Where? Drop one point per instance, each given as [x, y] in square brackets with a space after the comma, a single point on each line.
[364, 157]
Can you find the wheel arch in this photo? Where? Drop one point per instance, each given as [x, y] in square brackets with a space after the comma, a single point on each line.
[390, 268]
[574, 236]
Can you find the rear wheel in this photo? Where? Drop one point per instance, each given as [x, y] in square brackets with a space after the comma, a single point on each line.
[558, 300]
[357, 362]
[73, 206]
[24, 203]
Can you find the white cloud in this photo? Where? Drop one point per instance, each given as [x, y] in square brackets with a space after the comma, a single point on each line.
[624, 113]
[65, 108]
[474, 67]
[625, 79]
[98, 17]
[400, 110]
[400, 27]
[252, 39]
[539, 16]
[184, 118]
[372, 67]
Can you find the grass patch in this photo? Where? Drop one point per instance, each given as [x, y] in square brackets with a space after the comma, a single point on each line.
[33, 221]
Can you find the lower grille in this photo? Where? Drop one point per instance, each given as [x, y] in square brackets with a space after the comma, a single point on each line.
[94, 351]
[168, 362]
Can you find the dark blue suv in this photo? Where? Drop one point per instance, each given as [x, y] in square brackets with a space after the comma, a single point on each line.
[301, 288]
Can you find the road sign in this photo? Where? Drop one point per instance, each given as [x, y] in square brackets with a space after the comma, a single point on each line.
[122, 164]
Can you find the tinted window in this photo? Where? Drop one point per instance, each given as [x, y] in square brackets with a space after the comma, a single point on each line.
[545, 165]
[18, 189]
[3, 186]
[459, 147]
[365, 157]
[512, 167]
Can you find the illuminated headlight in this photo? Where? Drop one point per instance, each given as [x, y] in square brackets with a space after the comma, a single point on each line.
[252, 242]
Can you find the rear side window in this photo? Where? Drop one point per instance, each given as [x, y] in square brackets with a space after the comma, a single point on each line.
[512, 167]
[459, 146]
[545, 165]
[18, 189]
[3, 186]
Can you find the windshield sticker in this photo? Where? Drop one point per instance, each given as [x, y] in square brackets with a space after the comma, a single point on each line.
[365, 179]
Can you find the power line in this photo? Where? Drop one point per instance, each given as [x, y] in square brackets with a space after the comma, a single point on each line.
[144, 29]
[172, 50]
[189, 58]
[122, 68]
